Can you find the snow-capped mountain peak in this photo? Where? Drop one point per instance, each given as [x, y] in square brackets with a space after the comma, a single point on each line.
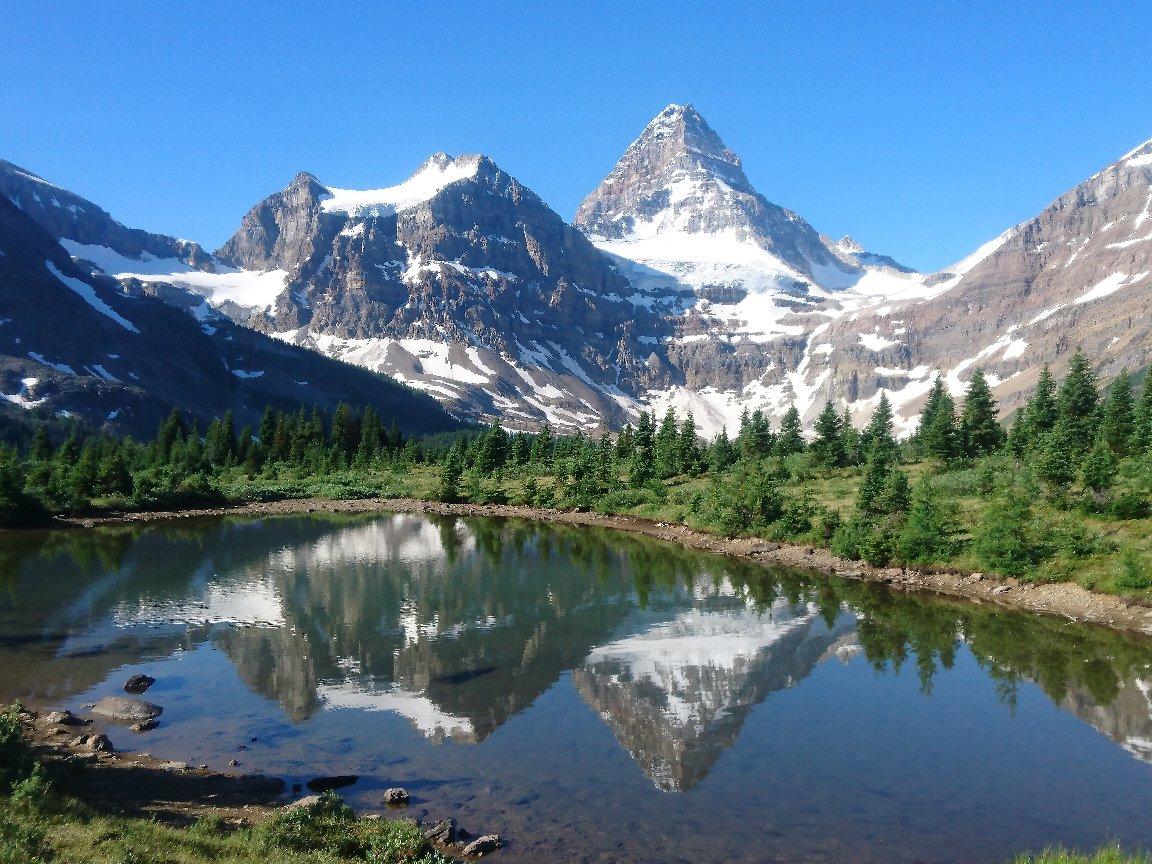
[438, 171]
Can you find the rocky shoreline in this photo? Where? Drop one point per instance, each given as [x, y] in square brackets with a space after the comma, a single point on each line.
[82, 761]
[1062, 600]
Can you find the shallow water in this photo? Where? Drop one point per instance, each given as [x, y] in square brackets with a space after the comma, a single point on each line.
[589, 695]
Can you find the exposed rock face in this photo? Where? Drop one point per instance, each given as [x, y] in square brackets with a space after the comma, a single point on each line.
[462, 282]
[75, 342]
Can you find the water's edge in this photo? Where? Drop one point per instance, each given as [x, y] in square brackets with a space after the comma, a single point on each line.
[1062, 600]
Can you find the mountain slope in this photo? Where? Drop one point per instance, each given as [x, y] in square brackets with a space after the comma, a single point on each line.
[76, 343]
[1078, 275]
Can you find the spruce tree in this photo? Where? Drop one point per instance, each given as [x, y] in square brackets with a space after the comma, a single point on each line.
[1099, 468]
[791, 437]
[1142, 419]
[1041, 412]
[1056, 457]
[1076, 403]
[879, 436]
[1005, 538]
[721, 454]
[926, 535]
[850, 435]
[1117, 416]
[41, 448]
[937, 436]
[688, 447]
[827, 448]
[980, 431]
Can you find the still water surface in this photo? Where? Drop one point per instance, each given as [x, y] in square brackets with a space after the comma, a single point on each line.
[589, 695]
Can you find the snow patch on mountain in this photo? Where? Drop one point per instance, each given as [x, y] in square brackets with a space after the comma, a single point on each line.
[438, 172]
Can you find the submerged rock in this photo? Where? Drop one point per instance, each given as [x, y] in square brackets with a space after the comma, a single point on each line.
[325, 784]
[145, 726]
[396, 797]
[126, 710]
[138, 683]
[482, 846]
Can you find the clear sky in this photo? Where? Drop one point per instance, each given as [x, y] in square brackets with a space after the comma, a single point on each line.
[922, 129]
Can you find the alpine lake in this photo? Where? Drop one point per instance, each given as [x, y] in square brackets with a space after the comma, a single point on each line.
[592, 696]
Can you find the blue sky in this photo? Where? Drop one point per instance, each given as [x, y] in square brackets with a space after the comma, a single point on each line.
[922, 129]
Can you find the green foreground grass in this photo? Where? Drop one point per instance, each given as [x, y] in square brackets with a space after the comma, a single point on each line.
[1107, 855]
[38, 825]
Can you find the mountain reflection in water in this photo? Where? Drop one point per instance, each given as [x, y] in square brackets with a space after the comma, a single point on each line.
[460, 625]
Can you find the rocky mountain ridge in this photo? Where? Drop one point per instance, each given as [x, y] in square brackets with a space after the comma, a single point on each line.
[679, 285]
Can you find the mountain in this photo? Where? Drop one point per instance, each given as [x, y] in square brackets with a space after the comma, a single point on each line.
[1078, 275]
[76, 342]
[752, 281]
[459, 281]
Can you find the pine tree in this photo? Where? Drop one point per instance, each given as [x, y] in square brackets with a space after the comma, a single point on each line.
[1076, 403]
[1041, 411]
[451, 471]
[722, 454]
[1142, 419]
[542, 446]
[1099, 468]
[926, 535]
[791, 437]
[872, 483]
[850, 435]
[827, 447]
[1005, 538]
[112, 476]
[688, 447]
[667, 445]
[1056, 457]
[895, 495]
[170, 435]
[41, 448]
[879, 436]
[980, 431]
[1117, 416]
[937, 436]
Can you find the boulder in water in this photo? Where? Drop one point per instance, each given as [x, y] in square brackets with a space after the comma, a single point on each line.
[126, 710]
[138, 683]
[482, 846]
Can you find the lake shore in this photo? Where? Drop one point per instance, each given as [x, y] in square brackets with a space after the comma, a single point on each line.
[1062, 600]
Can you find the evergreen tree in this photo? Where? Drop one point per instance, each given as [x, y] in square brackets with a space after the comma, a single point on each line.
[451, 471]
[872, 483]
[895, 496]
[926, 535]
[1099, 468]
[937, 437]
[878, 437]
[791, 437]
[1142, 419]
[1117, 416]
[1005, 538]
[1041, 412]
[41, 448]
[1056, 458]
[667, 445]
[688, 446]
[1076, 403]
[542, 446]
[980, 431]
[170, 435]
[827, 447]
[112, 476]
[342, 438]
[850, 435]
[722, 454]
